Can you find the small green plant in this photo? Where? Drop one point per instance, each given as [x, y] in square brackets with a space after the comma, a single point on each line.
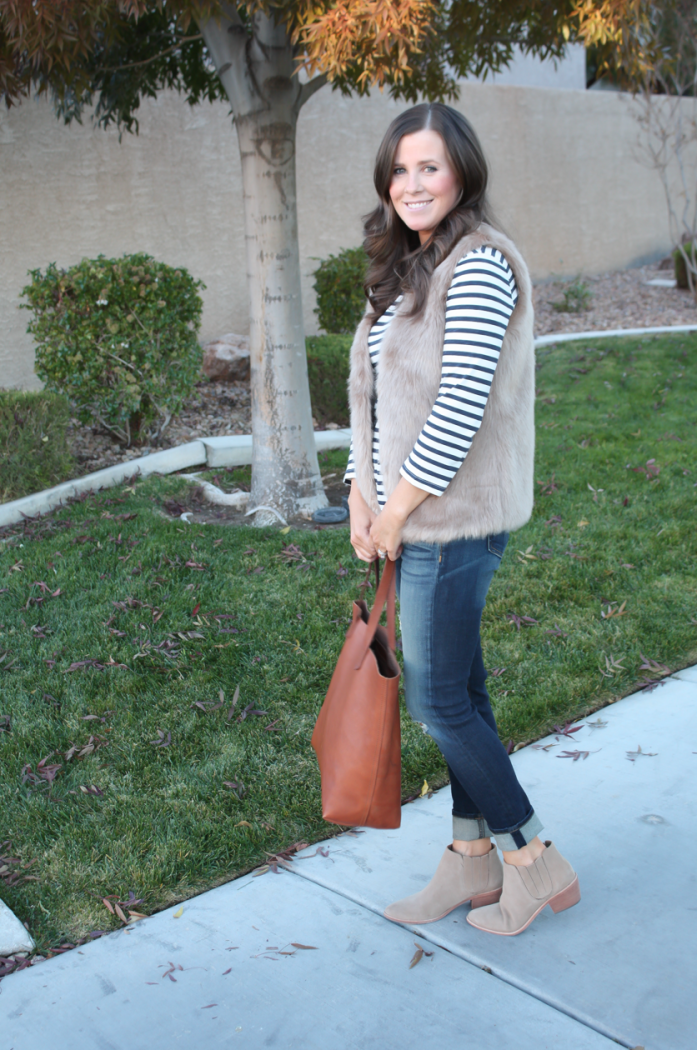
[339, 287]
[118, 337]
[681, 278]
[34, 453]
[577, 297]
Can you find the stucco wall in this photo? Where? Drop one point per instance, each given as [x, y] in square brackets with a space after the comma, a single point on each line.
[566, 185]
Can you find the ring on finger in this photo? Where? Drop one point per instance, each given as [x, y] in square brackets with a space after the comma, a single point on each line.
[382, 554]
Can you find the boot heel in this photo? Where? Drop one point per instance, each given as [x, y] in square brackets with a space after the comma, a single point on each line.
[566, 898]
[482, 899]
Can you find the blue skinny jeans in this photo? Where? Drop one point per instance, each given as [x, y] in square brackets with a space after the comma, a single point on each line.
[442, 590]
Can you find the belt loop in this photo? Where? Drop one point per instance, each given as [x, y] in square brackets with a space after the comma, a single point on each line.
[440, 553]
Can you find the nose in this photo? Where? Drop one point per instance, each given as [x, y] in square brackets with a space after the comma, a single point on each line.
[414, 182]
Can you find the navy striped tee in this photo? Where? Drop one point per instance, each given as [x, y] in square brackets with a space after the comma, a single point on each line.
[480, 301]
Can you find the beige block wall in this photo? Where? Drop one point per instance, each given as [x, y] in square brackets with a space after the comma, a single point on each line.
[565, 182]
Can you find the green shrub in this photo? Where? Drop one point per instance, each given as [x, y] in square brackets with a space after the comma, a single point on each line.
[577, 297]
[118, 337]
[328, 369]
[680, 267]
[339, 287]
[33, 449]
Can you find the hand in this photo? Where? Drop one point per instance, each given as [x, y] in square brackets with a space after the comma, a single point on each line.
[386, 532]
[362, 519]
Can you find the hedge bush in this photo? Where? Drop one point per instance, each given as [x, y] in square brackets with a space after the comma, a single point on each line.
[118, 337]
[328, 369]
[34, 453]
[339, 287]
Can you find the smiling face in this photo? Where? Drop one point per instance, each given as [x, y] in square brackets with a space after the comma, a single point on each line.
[424, 186]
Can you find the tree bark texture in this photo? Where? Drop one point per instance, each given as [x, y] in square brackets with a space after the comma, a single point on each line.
[256, 69]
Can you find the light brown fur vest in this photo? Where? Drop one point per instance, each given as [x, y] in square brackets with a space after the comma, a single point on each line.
[493, 489]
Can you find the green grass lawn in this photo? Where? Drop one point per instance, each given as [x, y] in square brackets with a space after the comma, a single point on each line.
[169, 791]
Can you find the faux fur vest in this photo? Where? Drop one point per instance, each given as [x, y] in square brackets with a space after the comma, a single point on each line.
[492, 491]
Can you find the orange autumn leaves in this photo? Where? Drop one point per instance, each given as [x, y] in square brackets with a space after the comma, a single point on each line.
[381, 36]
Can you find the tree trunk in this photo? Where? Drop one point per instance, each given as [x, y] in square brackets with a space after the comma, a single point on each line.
[257, 73]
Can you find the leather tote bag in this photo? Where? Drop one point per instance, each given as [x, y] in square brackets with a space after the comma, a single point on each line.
[357, 734]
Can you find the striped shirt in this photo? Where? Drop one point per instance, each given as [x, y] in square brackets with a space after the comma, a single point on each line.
[480, 301]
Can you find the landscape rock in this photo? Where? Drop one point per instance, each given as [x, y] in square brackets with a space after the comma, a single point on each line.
[227, 358]
[13, 936]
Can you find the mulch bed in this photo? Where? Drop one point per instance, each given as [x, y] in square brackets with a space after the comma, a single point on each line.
[216, 410]
[621, 299]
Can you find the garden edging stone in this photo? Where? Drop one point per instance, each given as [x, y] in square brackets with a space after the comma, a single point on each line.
[570, 337]
[13, 935]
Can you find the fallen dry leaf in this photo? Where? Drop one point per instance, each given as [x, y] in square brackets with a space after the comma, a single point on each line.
[162, 741]
[178, 913]
[235, 698]
[548, 487]
[575, 755]
[633, 755]
[521, 621]
[567, 730]
[653, 666]
[250, 711]
[613, 666]
[418, 955]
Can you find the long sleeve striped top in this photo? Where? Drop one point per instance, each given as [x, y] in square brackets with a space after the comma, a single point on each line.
[480, 301]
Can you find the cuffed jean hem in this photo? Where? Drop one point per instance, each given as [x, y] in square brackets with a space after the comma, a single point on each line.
[467, 829]
[519, 837]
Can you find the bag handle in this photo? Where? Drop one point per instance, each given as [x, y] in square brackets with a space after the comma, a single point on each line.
[385, 594]
[374, 566]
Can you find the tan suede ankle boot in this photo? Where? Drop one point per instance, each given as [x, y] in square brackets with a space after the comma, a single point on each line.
[458, 879]
[526, 891]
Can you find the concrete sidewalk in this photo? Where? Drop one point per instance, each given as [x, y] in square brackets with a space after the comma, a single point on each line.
[304, 959]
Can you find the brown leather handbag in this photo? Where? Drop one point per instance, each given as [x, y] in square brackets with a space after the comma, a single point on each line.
[357, 734]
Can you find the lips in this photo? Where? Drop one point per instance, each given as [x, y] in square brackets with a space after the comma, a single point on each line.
[417, 205]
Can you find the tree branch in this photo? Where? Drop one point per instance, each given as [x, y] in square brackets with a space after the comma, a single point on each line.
[310, 88]
[154, 58]
[226, 39]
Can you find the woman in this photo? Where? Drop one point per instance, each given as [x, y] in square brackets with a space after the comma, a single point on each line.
[442, 391]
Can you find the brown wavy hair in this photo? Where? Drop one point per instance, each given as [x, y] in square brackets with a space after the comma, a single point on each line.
[399, 263]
